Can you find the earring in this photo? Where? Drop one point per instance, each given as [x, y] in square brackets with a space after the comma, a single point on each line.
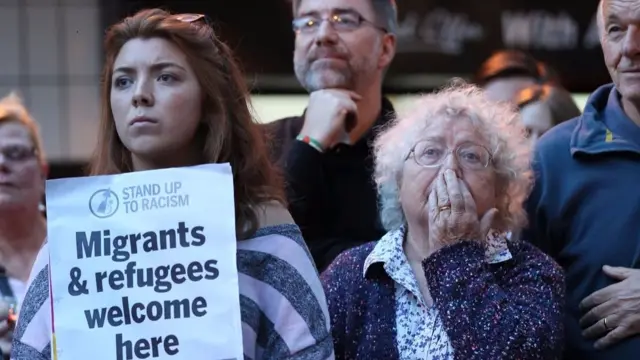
[41, 207]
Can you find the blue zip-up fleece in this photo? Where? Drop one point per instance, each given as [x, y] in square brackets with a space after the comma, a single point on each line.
[585, 208]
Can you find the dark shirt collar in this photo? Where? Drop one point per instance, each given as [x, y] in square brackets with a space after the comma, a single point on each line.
[387, 114]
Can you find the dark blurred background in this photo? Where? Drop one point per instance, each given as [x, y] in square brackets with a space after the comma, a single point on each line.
[52, 53]
[438, 38]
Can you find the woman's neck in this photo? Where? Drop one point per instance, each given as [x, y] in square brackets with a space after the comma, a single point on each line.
[21, 236]
[417, 246]
[187, 157]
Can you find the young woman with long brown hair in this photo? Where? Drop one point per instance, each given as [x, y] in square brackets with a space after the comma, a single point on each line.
[173, 96]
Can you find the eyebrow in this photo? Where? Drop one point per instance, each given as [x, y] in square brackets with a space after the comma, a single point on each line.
[340, 10]
[612, 18]
[433, 138]
[154, 68]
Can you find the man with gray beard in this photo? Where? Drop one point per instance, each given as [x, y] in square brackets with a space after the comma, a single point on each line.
[342, 49]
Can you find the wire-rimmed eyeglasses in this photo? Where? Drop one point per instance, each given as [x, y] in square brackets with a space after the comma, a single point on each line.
[428, 153]
[17, 153]
[342, 22]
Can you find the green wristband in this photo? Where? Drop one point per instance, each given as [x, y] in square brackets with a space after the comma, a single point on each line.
[312, 142]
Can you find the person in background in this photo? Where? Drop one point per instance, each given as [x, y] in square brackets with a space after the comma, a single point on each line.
[585, 207]
[23, 171]
[173, 96]
[445, 282]
[506, 72]
[548, 75]
[342, 49]
[543, 107]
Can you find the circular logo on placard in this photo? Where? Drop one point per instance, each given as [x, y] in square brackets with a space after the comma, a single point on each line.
[103, 203]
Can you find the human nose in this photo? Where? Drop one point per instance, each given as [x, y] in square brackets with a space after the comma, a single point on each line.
[631, 42]
[4, 162]
[143, 94]
[450, 162]
[326, 34]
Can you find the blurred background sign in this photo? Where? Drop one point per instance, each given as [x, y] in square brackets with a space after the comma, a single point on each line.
[437, 39]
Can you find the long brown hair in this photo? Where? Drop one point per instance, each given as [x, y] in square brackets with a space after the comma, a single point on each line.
[227, 130]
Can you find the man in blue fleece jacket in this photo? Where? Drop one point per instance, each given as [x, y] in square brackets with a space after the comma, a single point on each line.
[585, 207]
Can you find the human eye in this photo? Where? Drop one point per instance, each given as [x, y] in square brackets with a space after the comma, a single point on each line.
[346, 20]
[306, 23]
[17, 152]
[432, 152]
[166, 77]
[473, 155]
[613, 29]
[613, 25]
[121, 82]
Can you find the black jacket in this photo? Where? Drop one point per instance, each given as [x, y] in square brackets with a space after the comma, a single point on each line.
[332, 195]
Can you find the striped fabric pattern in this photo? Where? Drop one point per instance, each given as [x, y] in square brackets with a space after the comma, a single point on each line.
[283, 305]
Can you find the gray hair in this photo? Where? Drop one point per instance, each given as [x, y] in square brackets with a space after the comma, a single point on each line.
[386, 13]
[498, 123]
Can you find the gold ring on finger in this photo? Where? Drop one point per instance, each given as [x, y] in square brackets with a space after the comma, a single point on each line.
[606, 326]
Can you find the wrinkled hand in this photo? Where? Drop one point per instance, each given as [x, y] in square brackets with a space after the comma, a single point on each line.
[453, 215]
[618, 303]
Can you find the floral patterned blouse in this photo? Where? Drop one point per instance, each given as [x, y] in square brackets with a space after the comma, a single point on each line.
[421, 334]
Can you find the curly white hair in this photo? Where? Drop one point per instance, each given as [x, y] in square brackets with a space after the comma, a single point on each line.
[498, 123]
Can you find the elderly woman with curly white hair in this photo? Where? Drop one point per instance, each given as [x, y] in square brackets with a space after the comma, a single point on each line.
[446, 282]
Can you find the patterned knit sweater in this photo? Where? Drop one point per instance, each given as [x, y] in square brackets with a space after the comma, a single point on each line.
[504, 311]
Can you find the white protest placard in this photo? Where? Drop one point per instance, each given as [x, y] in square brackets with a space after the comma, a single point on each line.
[143, 265]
